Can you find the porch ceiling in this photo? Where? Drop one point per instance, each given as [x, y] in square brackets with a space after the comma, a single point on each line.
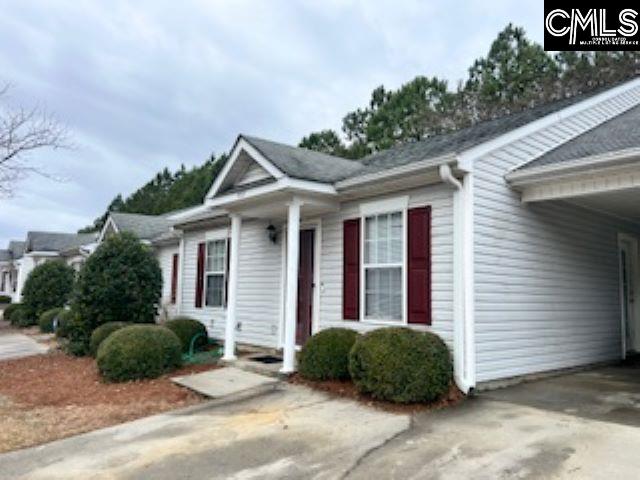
[622, 203]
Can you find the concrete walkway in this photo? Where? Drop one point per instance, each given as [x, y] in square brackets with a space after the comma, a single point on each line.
[226, 381]
[16, 345]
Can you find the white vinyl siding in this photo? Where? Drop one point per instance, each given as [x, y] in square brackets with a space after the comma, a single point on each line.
[440, 197]
[546, 274]
[258, 307]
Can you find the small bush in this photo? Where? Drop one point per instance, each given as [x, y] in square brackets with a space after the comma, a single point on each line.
[139, 351]
[21, 319]
[401, 365]
[45, 322]
[64, 323]
[4, 299]
[326, 355]
[101, 333]
[49, 285]
[186, 328]
[8, 311]
[73, 333]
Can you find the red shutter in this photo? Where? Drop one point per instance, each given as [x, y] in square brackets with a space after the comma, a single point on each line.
[226, 273]
[419, 268]
[202, 251]
[351, 270]
[174, 278]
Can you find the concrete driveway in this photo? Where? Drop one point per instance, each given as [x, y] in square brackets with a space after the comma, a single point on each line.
[576, 426]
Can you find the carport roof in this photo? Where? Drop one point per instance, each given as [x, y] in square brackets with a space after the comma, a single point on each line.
[621, 133]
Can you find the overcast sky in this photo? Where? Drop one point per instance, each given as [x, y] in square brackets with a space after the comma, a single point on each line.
[147, 84]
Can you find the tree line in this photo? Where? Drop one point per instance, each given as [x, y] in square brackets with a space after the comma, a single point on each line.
[516, 74]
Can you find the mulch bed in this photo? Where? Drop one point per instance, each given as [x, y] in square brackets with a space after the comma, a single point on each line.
[346, 389]
[46, 397]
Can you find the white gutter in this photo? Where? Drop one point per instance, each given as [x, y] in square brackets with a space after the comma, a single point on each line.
[463, 301]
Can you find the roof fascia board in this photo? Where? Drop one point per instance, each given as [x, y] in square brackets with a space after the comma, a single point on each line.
[285, 183]
[408, 169]
[578, 166]
[467, 157]
[41, 253]
[240, 145]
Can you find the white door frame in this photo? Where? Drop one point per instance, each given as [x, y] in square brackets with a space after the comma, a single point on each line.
[630, 243]
[316, 225]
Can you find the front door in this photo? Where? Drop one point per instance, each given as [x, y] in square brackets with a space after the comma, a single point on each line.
[305, 286]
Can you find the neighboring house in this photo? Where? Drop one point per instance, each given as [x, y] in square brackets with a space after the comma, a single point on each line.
[156, 231]
[40, 247]
[516, 240]
[9, 258]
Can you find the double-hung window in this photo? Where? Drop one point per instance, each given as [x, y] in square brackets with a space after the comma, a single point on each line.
[215, 272]
[383, 266]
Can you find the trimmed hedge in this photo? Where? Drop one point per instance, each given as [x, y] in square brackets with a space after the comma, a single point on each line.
[48, 286]
[186, 328]
[139, 351]
[325, 356]
[64, 323]
[5, 299]
[45, 322]
[8, 311]
[401, 365]
[101, 333]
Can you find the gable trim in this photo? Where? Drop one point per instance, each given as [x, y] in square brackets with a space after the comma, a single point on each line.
[240, 145]
[467, 157]
[106, 225]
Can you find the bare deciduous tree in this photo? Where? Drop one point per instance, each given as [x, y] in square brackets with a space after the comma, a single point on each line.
[22, 131]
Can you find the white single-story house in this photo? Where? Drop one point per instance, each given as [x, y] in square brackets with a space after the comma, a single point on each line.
[39, 247]
[515, 240]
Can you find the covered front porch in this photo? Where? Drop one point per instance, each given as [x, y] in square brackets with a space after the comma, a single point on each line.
[293, 221]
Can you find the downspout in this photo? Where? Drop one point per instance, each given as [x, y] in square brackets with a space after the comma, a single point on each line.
[463, 342]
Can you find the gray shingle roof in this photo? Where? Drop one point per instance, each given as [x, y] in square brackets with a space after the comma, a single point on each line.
[16, 247]
[56, 242]
[145, 227]
[304, 164]
[309, 165]
[619, 133]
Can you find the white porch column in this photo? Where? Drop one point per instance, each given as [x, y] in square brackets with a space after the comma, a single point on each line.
[291, 298]
[232, 294]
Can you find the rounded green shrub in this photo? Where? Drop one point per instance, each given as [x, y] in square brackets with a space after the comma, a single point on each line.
[325, 356]
[48, 286]
[139, 351]
[45, 322]
[64, 322]
[101, 333]
[401, 365]
[187, 328]
[8, 311]
[20, 318]
[5, 299]
[120, 280]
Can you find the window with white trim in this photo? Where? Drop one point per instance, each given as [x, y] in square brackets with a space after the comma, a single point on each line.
[215, 272]
[383, 266]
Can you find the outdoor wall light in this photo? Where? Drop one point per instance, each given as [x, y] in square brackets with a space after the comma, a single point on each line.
[272, 233]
